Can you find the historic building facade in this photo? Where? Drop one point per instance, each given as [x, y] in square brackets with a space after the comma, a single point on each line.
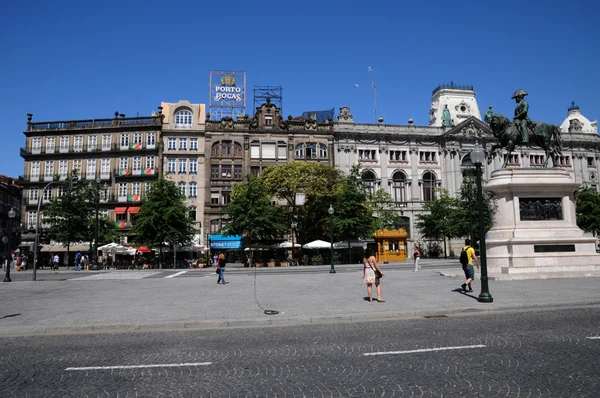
[10, 198]
[411, 162]
[236, 148]
[121, 153]
[183, 158]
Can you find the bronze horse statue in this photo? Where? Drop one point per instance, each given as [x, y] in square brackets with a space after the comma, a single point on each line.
[546, 135]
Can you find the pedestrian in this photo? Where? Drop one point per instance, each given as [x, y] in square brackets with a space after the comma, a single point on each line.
[372, 274]
[55, 261]
[24, 263]
[77, 260]
[417, 257]
[221, 268]
[86, 262]
[467, 255]
[215, 258]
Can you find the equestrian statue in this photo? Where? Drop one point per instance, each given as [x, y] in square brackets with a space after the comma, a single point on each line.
[522, 131]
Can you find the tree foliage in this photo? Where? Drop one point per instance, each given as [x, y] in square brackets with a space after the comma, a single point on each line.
[386, 215]
[466, 215]
[353, 214]
[587, 202]
[252, 213]
[436, 222]
[163, 216]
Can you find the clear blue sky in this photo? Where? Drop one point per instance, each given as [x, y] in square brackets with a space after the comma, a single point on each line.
[81, 59]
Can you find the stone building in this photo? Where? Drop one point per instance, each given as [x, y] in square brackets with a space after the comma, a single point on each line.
[10, 198]
[120, 152]
[183, 156]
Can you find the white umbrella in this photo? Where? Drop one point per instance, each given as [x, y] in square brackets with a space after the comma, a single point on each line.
[317, 244]
[285, 245]
[343, 244]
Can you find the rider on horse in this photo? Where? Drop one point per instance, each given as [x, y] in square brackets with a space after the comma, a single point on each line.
[521, 118]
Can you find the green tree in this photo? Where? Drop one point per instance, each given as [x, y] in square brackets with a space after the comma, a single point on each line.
[437, 221]
[465, 218]
[93, 192]
[163, 216]
[587, 209]
[252, 213]
[386, 215]
[353, 215]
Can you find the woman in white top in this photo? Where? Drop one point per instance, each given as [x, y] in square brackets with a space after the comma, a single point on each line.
[370, 267]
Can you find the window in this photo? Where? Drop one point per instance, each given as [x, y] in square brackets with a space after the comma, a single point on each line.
[513, 160]
[311, 150]
[193, 189]
[150, 162]
[237, 172]
[590, 161]
[193, 144]
[268, 150]
[47, 197]
[148, 187]
[31, 219]
[64, 144]
[104, 168]
[398, 156]
[78, 143]
[106, 142]
[123, 163]
[214, 171]
[49, 168]
[136, 190]
[137, 164]
[214, 198]
[564, 161]
[34, 195]
[183, 144]
[171, 166]
[255, 171]
[369, 182]
[182, 187]
[226, 171]
[91, 168]
[182, 166]
[322, 151]
[124, 141]
[226, 197]
[92, 143]
[150, 140]
[36, 145]
[367, 155]
[428, 186]
[193, 213]
[60, 191]
[77, 166]
[137, 138]
[427, 157]
[63, 169]
[34, 169]
[50, 144]
[172, 144]
[183, 119]
[122, 190]
[193, 166]
[536, 160]
[281, 150]
[215, 226]
[399, 187]
[227, 149]
[255, 150]
[268, 120]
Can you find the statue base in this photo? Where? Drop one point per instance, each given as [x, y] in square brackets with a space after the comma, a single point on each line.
[534, 233]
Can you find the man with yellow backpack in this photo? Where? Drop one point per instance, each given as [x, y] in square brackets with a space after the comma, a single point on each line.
[467, 255]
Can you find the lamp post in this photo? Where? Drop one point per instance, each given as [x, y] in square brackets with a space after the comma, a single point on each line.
[331, 211]
[11, 215]
[294, 225]
[105, 188]
[478, 157]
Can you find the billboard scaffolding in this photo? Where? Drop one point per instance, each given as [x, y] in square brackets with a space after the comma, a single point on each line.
[261, 93]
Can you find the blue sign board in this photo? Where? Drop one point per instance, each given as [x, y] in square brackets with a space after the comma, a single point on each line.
[225, 242]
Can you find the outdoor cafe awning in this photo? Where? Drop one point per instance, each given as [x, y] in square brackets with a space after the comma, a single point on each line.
[133, 210]
[120, 210]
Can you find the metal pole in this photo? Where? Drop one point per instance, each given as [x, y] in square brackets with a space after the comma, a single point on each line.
[95, 256]
[37, 231]
[7, 275]
[484, 296]
[332, 270]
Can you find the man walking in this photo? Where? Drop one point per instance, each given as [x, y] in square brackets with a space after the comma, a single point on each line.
[467, 255]
[416, 257]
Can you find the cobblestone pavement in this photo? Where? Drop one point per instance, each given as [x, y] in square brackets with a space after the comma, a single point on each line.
[528, 354]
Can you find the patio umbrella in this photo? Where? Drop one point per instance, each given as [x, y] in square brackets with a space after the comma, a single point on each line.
[317, 244]
[285, 245]
[257, 246]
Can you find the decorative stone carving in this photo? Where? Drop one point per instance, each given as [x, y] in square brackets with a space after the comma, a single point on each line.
[346, 148]
[345, 116]
[540, 209]
[310, 125]
[283, 125]
[227, 123]
[254, 123]
[463, 108]
[575, 126]
[471, 131]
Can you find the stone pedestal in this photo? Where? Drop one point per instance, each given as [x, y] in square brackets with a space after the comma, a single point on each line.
[534, 233]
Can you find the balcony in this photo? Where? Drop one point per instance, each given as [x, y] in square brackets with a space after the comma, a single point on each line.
[95, 123]
[83, 149]
[147, 172]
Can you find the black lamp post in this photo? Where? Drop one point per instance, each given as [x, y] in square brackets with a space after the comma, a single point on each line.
[478, 157]
[294, 225]
[11, 215]
[105, 188]
[331, 211]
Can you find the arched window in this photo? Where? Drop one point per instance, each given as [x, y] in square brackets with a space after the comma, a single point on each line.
[399, 187]
[428, 186]
[369, 182]
[311, 150]
[466, 161]
[226, 149]
[183, 119]
[405, 224]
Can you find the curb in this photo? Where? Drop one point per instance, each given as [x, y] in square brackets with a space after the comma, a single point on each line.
[283, 322]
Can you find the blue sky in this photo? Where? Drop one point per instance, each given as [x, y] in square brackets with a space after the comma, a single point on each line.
[74, 60]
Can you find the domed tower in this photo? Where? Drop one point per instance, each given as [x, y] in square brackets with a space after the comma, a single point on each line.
[459, 100]
[577, 123]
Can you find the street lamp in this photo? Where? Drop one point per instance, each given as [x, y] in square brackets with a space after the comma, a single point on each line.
[105, 188]
[478, 157]
[294, 225]
[11, 215]
[331, 211]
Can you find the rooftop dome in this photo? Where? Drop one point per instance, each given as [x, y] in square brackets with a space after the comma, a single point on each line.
[577, 123]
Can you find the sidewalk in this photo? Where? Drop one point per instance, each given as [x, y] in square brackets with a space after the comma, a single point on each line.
[306, 295]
